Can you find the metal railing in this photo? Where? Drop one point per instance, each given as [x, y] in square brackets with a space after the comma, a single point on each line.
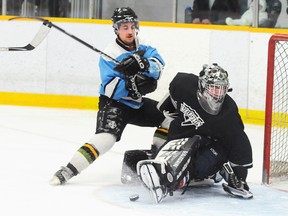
[173, 11]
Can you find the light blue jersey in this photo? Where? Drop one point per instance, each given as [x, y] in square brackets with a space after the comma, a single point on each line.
[113, 82]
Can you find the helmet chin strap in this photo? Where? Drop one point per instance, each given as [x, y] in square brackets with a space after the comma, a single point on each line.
[136, 40]
[208, 107]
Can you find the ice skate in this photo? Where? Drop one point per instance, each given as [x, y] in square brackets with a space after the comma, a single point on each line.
[239, 192]
[61, 176]
[234, 186]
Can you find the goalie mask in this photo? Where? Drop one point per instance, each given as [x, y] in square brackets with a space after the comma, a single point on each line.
[124, 15]
[213, 85]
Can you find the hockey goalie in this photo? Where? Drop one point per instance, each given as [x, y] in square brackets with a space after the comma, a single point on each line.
[206, 139]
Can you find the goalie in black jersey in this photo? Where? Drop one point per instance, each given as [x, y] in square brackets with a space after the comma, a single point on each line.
[205, 139]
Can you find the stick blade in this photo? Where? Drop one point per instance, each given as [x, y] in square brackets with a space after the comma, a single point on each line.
[39, 37]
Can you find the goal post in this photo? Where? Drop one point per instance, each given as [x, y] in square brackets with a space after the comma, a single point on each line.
[275, 158]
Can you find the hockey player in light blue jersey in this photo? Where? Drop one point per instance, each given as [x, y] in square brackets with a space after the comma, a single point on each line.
[141, 62]
[121, 100]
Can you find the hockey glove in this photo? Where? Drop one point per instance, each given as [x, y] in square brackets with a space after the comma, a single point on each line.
[133, 64]
[145, 84]
[139, 85]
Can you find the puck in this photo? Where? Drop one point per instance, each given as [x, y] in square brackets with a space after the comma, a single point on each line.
[134, 197]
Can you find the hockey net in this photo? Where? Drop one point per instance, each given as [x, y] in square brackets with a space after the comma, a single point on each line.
[275, 167]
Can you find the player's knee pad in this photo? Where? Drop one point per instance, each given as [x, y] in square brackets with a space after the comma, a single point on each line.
[130, 160]
[109, 120]
[208, 161]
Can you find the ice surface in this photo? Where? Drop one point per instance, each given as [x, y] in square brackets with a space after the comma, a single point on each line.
[35, 142]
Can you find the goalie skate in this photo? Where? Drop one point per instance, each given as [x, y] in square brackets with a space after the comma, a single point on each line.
[151, 181]
[239, 192]
[235, 187]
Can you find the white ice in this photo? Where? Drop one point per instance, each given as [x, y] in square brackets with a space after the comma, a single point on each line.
[35, 142]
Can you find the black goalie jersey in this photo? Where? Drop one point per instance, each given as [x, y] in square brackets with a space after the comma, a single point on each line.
[226, 127]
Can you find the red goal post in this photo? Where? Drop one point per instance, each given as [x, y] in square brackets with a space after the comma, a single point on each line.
[275, 166]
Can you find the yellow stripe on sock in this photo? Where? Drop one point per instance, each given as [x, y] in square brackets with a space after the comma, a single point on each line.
[163, 130]
[92, 149]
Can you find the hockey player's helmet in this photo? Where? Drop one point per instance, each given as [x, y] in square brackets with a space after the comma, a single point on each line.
[122, 15]
[213, 86]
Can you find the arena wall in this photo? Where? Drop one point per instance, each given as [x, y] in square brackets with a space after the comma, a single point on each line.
[62, 72]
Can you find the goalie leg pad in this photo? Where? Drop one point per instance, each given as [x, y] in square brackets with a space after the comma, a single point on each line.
[172, 162]
[177, 156]
[151, 180]
[131, 158]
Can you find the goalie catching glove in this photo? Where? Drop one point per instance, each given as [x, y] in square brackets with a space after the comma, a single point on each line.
[133, 64]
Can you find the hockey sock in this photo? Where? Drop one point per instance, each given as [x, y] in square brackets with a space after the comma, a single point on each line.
[159, 138]
[85, 156]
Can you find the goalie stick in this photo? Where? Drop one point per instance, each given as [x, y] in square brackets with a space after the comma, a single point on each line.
[39, 37]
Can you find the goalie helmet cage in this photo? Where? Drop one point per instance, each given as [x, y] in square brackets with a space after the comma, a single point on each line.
[275, 166]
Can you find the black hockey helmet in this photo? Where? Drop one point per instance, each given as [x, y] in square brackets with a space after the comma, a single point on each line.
[213, 86]
[124, 14]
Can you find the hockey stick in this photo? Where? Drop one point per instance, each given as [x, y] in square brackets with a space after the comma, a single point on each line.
[70, 35]
[85, 43]
[39, 37]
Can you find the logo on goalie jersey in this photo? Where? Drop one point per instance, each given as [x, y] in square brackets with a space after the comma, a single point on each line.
[191, 117]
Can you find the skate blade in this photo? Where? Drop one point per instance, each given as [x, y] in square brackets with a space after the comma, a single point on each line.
[244, 194]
